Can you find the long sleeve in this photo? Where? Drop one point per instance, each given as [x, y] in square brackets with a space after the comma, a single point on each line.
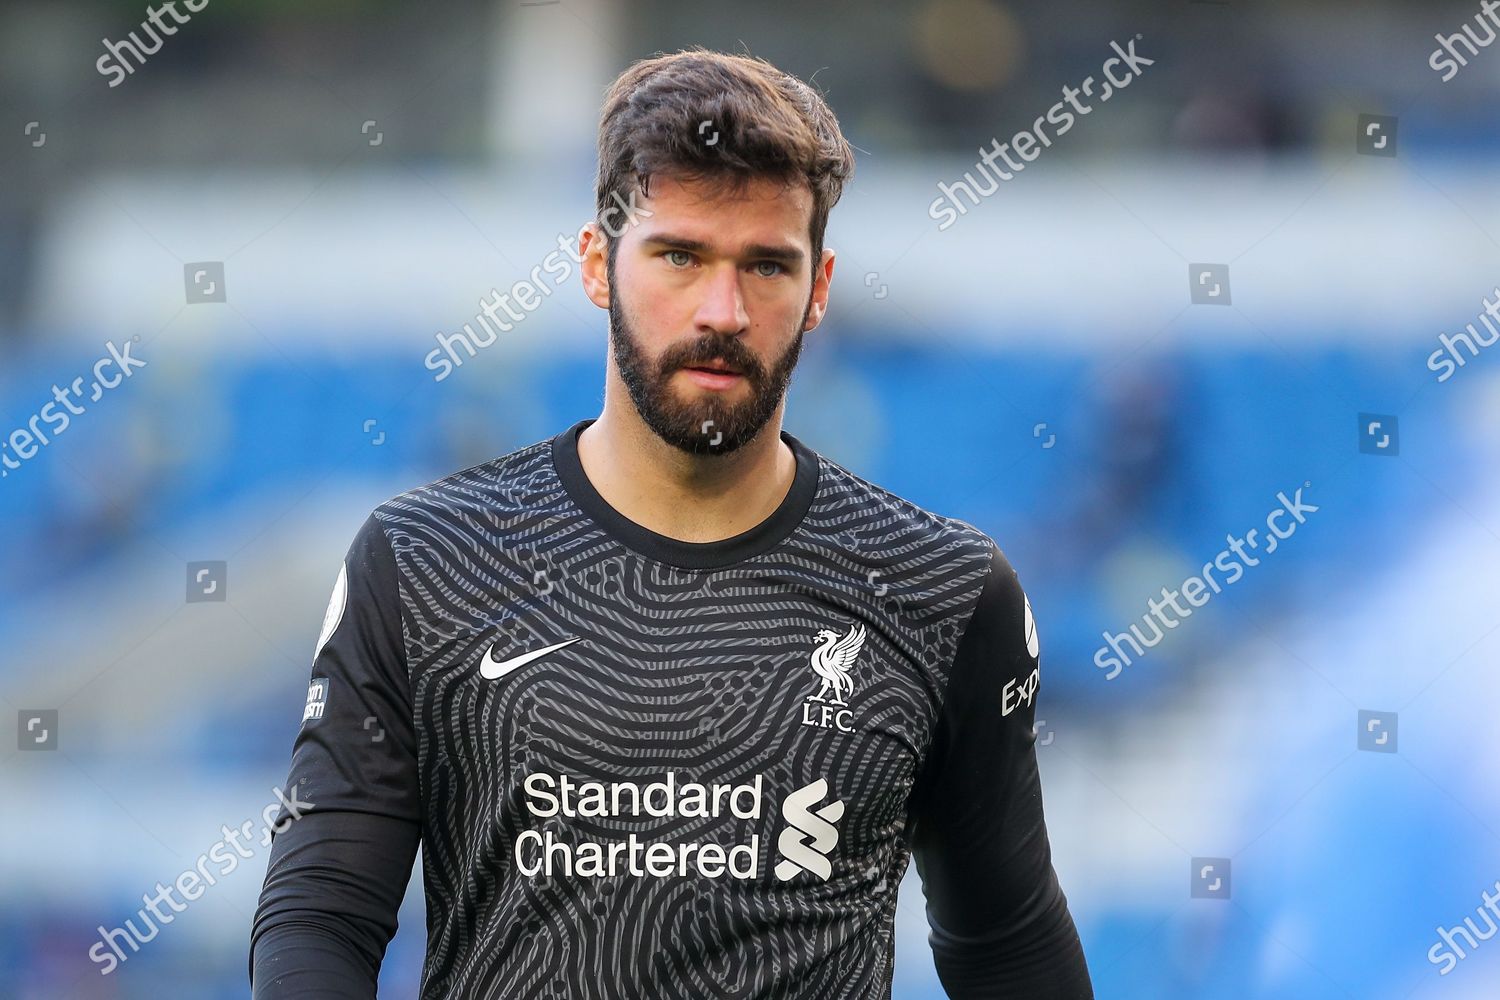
[1000, 925]
[338, 870]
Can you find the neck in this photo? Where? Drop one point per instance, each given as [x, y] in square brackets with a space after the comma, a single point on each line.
[692, 498]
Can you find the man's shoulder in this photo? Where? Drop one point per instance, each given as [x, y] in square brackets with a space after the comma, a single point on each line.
[496, 488]
[876, 516]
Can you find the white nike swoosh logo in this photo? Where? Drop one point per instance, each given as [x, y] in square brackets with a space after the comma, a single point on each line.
[492, 669]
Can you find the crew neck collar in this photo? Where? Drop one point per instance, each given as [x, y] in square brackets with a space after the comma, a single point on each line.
[690, 555]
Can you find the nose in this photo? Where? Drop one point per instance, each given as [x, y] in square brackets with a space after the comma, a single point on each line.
[722, 308]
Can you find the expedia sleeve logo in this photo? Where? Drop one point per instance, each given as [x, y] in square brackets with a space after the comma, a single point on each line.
[1020, 692]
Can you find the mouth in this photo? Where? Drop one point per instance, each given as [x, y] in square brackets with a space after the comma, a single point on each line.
[714, 367]
[715, 374]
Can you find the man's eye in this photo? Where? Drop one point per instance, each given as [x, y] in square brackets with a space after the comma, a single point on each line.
[687, 258]
[769, 263]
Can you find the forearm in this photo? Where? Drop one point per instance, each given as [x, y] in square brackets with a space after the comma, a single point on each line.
[1045, 962]
[1000, 925]
[333, 887]
[339, 866]
[304, 958]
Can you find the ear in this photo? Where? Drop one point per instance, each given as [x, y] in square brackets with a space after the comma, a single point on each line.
[822, 278]
[593, 263]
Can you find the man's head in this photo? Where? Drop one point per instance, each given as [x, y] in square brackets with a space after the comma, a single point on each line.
[716, 177]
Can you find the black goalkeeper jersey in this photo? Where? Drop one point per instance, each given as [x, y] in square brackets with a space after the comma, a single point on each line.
[644, 768]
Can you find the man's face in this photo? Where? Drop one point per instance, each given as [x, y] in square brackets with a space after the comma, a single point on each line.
[709, 298]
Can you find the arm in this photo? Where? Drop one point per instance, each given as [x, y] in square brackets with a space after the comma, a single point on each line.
[337, 873]
[1000, 922]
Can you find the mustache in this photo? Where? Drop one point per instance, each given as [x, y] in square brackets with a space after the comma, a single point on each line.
[706, 349]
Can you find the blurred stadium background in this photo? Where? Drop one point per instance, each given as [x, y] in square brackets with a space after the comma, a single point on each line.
[365, 172]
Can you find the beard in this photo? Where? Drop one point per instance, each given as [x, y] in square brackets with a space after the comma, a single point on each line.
[694, 426]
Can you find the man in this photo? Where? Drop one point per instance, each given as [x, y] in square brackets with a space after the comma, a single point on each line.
[669, 699]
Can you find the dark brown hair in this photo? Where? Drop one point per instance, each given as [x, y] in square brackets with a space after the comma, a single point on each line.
[762, 123]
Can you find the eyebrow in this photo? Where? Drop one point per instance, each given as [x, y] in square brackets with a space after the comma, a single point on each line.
[761, 251]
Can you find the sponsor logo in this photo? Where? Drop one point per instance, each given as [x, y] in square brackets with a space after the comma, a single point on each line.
[555, 848]
[1019, 691]
[547, 851]
[335, 612]
[317, 699]
[831, 661]
[1033, 643]
[492, 669]
[809, 834]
